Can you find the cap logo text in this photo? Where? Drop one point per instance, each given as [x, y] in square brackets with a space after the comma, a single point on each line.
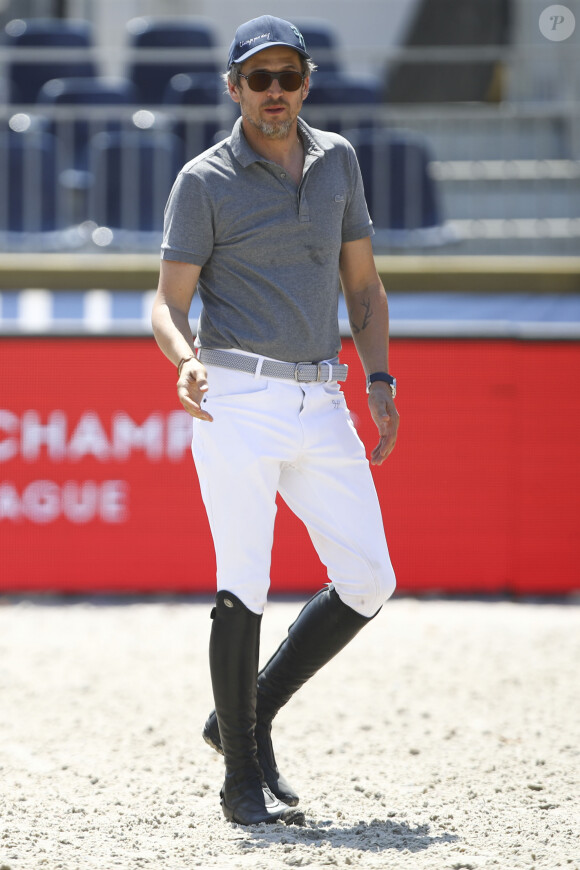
[255, 39]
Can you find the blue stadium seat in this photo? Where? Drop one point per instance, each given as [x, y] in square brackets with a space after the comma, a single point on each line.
[321, 43]
[151, 78]
[402, 197]
[132, 173]
[329, 85]
[329, 89]
[26, 77]
[92, 91]
[28, 200]
[74, 134]
[195, 89]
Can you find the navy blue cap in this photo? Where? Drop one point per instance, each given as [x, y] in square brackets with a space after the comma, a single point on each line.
[264, 32]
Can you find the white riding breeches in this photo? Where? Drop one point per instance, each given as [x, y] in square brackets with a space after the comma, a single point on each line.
[270, 435]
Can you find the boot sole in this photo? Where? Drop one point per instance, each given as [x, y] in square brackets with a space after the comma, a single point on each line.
[289, 817]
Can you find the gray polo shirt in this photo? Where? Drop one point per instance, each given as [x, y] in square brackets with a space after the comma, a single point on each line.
[269, 249]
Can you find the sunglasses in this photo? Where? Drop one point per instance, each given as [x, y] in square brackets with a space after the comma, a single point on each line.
[261, 81]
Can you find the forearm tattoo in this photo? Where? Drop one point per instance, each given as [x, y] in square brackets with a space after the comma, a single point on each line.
[368, 313]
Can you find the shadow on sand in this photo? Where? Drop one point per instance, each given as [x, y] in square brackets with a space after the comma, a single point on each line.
[376, 836]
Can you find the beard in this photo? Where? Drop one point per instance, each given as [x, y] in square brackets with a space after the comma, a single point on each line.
[273, 131]
[269, 129]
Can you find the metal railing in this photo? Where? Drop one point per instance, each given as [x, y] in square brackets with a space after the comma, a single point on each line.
[85, 177]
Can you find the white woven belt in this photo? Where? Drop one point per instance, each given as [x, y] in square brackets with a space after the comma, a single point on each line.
[303, 372]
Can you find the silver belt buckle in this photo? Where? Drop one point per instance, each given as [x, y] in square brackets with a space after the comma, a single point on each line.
[297, 371]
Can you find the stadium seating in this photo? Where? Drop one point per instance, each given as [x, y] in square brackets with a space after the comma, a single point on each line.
[151, 77]
[329, 85]
[93, 91]
[26, 77]
[322, 43]
[195, 89]
[401, 195]
[74, 133]
[329, 89]
[131, 176]
[28, 168]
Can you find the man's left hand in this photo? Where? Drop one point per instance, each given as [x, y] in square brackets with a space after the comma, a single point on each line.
[386, 416]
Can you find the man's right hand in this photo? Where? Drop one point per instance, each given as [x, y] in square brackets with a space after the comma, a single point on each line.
[191, 388]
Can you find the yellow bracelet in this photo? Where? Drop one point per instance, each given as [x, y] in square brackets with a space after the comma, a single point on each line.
[182, 363]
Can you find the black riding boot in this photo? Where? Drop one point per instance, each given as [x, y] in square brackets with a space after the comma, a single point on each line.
[323, 627]
[233, 655]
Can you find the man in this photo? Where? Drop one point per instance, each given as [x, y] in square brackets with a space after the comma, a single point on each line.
[267, 224]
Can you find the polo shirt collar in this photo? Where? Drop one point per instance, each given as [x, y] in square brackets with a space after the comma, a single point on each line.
[245, 155]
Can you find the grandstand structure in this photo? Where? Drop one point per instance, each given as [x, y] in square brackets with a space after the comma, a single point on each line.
[465, 117]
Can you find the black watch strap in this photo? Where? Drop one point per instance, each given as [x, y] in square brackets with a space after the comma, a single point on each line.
[382, 376]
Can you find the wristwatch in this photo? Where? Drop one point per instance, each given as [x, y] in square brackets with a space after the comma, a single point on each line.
[383, 376]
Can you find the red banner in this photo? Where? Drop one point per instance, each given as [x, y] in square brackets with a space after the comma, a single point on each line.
[98, 491]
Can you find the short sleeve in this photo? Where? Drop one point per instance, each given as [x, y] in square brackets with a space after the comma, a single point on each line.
[357, 223]
[188, 229]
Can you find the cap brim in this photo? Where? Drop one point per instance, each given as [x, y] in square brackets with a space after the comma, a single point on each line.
[263, 47]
